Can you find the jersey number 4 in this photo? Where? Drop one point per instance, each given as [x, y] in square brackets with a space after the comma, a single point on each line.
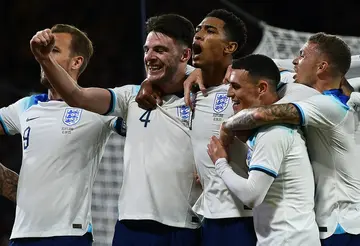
[145, 117]
[26, 137]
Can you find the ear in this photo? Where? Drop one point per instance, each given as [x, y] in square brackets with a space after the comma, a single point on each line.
[322, 67]
[263, 86]
[231, 47]
[186, 55]
[76, 62]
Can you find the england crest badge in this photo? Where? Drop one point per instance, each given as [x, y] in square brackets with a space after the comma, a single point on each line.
[72, 116]
[221, 102]
[183, 112]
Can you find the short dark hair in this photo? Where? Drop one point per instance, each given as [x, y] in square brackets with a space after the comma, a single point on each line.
[172, 25]
[234, 28]
[80, 43]
[259, 67]
[336, 50]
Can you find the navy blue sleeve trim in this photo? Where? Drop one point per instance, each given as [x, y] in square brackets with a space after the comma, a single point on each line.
[268, 172]
[111, 106]
[119, 127]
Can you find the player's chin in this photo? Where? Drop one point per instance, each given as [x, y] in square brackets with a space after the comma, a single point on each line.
[156, 79]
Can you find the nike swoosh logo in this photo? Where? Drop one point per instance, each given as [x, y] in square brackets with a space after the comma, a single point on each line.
[34, 118]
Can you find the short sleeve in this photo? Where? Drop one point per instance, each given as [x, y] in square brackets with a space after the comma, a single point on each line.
[120, 99]
[270, 148]
[9, 116]
[322, 111]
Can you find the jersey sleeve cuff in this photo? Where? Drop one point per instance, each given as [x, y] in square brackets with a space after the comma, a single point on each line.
[112, 102]
[263, 169]
[301, 113]
[119, 127]
[6, 130]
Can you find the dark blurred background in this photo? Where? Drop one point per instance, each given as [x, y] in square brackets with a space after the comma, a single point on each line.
[115, 27]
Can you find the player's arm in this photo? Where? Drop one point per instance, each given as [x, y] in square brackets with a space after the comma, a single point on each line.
[97, 100]
[263, 169]
[354, 70]
[318, 111]
[8, 183]
[255, 117]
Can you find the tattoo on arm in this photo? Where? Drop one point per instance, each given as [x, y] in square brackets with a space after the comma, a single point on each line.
[255, 117]
[8, 183]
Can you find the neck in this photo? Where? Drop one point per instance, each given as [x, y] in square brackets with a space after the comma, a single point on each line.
[214, 75]
[329, 84]
[175, 84]
[270, 98]
[53, 95]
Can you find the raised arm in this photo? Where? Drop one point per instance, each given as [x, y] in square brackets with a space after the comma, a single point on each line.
[8, 183]
[255, 117]
[97, 100]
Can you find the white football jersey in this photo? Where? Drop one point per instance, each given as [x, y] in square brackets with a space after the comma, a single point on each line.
[287, 76]
[158, 180]
[286, 216]
[62, 149]
[355, 83]
[294, 92]
[333, 149]
[216, 200]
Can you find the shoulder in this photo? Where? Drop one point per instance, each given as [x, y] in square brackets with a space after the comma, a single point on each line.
[274, 132]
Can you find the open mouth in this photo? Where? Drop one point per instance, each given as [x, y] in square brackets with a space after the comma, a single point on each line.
[196, 48]
[153, 68]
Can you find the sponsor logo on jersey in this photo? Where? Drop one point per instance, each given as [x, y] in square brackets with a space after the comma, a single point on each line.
[72, 116]
[31, 118]
[221, 102]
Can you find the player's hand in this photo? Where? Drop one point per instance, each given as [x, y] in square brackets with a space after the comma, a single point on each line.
[226, 136]
[41, 44]
[193, 81]
[216, 150]
[227, 75]
[148, 97]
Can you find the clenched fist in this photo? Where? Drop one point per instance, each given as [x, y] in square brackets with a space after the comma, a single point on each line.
[42, 43]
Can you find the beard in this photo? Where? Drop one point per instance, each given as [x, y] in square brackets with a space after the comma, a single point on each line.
[44, 81]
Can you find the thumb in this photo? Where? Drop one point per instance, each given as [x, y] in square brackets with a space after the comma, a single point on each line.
[158, 100]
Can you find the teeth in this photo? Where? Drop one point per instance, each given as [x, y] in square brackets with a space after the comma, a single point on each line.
[153, 67]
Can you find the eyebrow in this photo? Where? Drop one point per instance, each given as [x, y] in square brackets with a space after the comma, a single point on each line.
[207, 26]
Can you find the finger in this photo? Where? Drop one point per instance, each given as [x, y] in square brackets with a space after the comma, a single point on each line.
[147, 102]
[158, 99]
[44, 42]
[215, 140]
[227, 75]
[36, 40]
[202, 86]
[46, 36]
[187, 91]
[209, 151]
